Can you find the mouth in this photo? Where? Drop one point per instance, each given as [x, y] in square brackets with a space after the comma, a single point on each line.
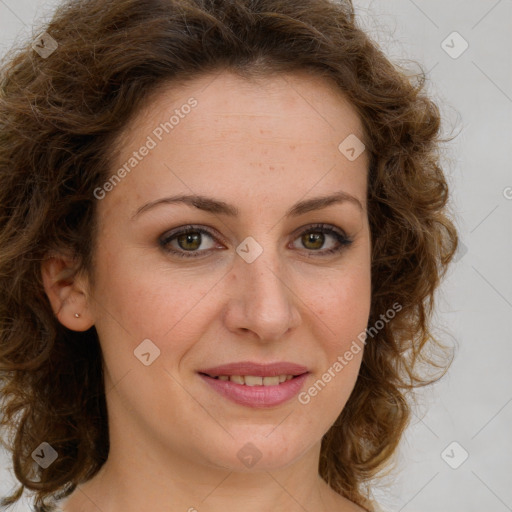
[254, 380]
[256, 385]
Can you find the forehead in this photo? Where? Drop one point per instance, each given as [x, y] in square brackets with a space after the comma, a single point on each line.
[266, 99]
[227, 98]
[277, 132]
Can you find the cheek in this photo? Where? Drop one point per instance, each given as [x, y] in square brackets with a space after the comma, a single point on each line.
[342, 308]
[341, 316]
[137, 300]
[342, 299]
[343, 294]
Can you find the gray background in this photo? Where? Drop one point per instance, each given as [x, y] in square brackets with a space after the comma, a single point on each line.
[472, 405]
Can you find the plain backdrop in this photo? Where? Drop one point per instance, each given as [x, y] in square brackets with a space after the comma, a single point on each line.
[457, 454]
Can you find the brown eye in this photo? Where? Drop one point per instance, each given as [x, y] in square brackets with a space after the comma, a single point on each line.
[187, 242]
[315, 239]
[316, 236]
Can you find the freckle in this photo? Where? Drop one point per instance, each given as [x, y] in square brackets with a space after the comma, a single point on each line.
[292, 147]
[272, 168]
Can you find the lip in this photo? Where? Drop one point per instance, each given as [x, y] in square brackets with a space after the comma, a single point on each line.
[256, 396]
[256, 369]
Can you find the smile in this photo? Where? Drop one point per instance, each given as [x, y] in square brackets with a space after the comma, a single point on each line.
[253, 380]
[256, 384]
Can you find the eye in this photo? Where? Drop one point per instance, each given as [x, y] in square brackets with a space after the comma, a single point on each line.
[187, 242]
[315, 237]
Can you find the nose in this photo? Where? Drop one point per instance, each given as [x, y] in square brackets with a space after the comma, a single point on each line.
[263, 300]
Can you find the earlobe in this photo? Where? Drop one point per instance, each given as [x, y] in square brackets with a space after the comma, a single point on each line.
[66, 292]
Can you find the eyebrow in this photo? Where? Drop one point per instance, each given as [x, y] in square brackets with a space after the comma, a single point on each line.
[215, 206]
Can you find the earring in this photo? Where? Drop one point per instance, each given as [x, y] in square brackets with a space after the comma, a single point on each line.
[77, 315]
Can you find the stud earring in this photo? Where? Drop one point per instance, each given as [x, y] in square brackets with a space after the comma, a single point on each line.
[77, 315]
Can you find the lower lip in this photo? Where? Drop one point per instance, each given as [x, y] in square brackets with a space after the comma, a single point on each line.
[257, 396]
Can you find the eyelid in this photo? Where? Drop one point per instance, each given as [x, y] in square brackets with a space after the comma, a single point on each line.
[341, 237]
[169, 235]
[339, 234]
[320, 226]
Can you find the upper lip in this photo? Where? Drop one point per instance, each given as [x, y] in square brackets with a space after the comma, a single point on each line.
[256, 369]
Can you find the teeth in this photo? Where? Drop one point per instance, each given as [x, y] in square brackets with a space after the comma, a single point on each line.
[251, 380]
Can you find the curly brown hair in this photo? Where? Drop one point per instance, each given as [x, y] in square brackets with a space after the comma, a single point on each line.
[59, 115]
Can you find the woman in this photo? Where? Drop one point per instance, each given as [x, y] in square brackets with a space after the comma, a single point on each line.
[222, 227]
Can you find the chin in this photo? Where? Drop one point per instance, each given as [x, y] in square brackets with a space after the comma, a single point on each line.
[259, 449]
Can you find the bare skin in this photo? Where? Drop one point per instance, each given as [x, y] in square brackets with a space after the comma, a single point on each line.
[261, 147]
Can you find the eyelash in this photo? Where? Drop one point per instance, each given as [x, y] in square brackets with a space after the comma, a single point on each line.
[341, 238]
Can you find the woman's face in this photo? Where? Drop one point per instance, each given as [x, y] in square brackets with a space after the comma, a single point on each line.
[252, 282]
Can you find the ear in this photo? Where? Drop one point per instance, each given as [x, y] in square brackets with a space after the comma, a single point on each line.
[67, 292]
